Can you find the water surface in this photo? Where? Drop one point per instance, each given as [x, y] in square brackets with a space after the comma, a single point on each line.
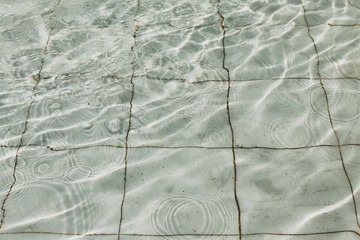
[153, 119]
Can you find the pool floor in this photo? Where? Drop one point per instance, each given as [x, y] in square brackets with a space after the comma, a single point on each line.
[179, 119]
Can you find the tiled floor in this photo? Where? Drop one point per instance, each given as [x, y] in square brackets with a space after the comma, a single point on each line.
[152, 119]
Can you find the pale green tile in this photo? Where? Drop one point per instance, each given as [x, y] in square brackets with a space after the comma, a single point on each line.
[291, 191]
[79, 111]
[284, 113]
[77, 191]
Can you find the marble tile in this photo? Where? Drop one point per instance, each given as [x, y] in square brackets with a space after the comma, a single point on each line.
[165, 196]
[15, 98]
[281, 114]
[76, 191]
[291, 191]
[176, 113]
[268, 52]
[167, 52]
[79, 111]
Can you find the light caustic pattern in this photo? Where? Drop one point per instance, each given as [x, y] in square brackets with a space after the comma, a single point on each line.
[152, 119]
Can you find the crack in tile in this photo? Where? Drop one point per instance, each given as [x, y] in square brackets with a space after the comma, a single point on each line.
[329, 113]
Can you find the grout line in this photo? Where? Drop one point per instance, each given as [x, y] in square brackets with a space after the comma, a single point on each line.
[343, 25]
[182, 147]
[304, 234]
[72, 75]
[234, 80]
[263, 24]
[329, 114]
[184, 234]
[268, 79]
[165, 79]
[130, 111]
[229, 118]
[15, 165]
[37, 78]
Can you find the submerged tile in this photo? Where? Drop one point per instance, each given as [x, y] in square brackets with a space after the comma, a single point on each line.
[180, 191]
[7, 161]
[339, 51]
[99, 14]
[176, 113]
[264, 52]
[167, 52]
[79, 111]
[283, 113]
[91, 37]
[330, 11]
[293, 191]
[254, 13]
[89, 49]
[180, 14]
[22, 45]
[77, 191]
[343, 96]
[23, 35]
[351, 160]
[12, 11]
[15, 98]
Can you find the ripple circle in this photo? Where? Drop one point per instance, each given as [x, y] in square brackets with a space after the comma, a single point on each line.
[189, 213]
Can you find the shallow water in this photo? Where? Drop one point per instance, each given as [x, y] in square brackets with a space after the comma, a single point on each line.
[154, 119]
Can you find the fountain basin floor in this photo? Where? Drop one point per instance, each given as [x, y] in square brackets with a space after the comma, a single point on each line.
[152, 119]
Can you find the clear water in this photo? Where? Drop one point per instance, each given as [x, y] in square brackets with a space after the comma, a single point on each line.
[179, 119]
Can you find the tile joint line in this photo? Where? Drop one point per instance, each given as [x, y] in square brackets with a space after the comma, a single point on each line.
[186, 234]
[229, 118]
[71, 76]
[37, 78]
[329, 113]
[130, 112]
[51, 148]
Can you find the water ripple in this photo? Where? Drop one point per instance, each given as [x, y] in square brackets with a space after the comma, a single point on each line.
[279, 132]
[191, 213]
[344, 100]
